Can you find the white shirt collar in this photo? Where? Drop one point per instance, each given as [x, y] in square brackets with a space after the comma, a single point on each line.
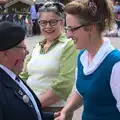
[9, 72]
[104, 50]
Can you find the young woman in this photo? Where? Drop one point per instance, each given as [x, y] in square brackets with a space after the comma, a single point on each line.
[98, 66]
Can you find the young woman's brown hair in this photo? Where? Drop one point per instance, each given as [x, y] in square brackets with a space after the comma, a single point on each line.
[98, 12]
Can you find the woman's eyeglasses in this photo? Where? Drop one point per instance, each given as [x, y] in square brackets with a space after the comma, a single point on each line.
[44, 23]
[73, 29]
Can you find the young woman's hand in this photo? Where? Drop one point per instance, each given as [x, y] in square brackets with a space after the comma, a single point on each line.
[60, 116]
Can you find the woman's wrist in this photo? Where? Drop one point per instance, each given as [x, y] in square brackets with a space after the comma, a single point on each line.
[64, 111]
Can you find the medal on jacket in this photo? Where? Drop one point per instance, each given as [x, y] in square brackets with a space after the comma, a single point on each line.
[25, 98]
[20, 92]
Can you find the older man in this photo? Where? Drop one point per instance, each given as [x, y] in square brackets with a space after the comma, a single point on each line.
[17, 101]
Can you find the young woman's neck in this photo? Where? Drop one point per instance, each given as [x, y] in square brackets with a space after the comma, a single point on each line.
[94, 47]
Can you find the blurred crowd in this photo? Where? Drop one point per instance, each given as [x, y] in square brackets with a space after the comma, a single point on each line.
[20, 19]
[115, 32]
[29, 21]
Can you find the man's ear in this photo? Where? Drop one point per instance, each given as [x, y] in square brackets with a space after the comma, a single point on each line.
[5, 53]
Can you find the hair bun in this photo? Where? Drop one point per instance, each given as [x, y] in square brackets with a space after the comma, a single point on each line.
[60, 6]
[52, 6]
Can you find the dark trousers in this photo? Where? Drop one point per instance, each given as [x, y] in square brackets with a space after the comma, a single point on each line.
[118, 23]
[34, 26]
[36, 29]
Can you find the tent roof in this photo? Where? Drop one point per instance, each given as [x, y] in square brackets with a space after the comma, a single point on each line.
[28, 2]
[41, 1]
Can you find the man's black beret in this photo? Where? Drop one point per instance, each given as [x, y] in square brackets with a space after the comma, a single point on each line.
[10, 35]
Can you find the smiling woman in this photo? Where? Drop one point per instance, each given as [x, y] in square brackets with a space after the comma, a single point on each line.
[50, 70]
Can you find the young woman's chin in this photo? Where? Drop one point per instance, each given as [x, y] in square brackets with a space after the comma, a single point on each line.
[78, 47]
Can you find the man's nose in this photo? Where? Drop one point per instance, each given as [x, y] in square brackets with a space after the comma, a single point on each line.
[27, 52]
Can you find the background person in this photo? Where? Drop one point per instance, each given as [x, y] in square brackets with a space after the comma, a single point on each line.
[34, 18]
[29, 25]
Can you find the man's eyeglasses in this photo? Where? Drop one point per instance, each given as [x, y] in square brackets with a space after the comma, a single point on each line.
[73, 29]
[44, 23]
[22, 47]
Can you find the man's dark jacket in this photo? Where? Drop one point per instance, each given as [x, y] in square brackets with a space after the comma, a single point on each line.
[14, 105]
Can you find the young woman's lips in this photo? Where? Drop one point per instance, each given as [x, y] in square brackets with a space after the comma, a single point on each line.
[75, 41]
